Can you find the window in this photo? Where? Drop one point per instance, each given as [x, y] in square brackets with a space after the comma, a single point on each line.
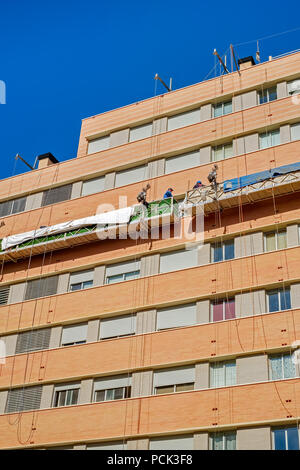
[222, 441]
[96, 145]
[176, 260]
[122, 272]
[265, 96]
[132, 175]
[54, 195]
[140, 132]
[222, 251]
[281, 366]
[95, 185]
[174, 380]
[13, 206]
[222, 374]
[72, 335]
[116, 327]
[278, 299]
[33, 340]
[23, 399]
[222, 151]
[275, 240]
[41, 287]
[293, 87]
[295, 131]
[81, 280]
[269, 139]
[176, 317]
[222, 108]
[222, 310]
[285, 438]
[184, 442]
[182, 162]
[4, 295]
[112, 388]
[66, 395]
[184, 119]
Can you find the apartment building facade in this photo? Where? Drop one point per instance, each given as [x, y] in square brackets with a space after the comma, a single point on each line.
[147, 344]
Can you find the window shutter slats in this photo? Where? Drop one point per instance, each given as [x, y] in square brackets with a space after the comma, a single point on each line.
[22, 399]
[4, 294]
[54, 195]
[41, 287]
[33, 340]
[132, 175]
[5, 208]
[180, 259]
[82, 276]
[173, 443]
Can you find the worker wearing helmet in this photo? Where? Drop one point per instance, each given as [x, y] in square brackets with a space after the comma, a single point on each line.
[198, 185]
[168, 193]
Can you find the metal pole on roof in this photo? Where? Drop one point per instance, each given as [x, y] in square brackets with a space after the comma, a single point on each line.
[157, 77]
[233, 55]
[221, 61]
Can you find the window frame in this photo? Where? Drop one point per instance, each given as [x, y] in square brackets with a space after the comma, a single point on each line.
[222, 105]
[57, 393]
[282, 375]
[224, 438]
[223, 148]
[126, 393]
[278, 291]
[276, 234]
[224, 364]
[174, 388]
[213, 302]
[138, 271]
[269, 135]
[285, 428]
[266, 92]
[222, 245]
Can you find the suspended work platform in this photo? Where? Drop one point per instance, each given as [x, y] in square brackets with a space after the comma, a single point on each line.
[226, 196]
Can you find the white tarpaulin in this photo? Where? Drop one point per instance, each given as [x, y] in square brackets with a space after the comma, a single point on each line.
[120, 216]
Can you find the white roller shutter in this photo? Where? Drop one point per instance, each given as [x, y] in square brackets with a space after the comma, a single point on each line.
[173, 443]
[176, 316]
[140, 132]
[184, 119]
[72, 386]
[132, 175]
[96, 185]
[74, 334]
[176, 260]
[116, 381]
[117, 326]
[82, 276]
[173, 376]
[97, 145]
[122, 268]
[182, 162]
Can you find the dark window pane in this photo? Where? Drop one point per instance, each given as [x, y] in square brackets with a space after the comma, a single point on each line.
[229, 249]
[263, 97]
[62, 193]
[61, 398]
[100, 395]
[273, 301]
[218, 253]
[292, 438]
[279, 439]
[18, 205]
[272, 94]
[5, 208]
[87, 284]
[218, 311]
[74, 287]
[229, 309]
[119, 392]
[285, 299]
[110, 394]
[74, 398]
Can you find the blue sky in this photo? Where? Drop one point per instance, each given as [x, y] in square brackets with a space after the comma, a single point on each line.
[64, 60]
